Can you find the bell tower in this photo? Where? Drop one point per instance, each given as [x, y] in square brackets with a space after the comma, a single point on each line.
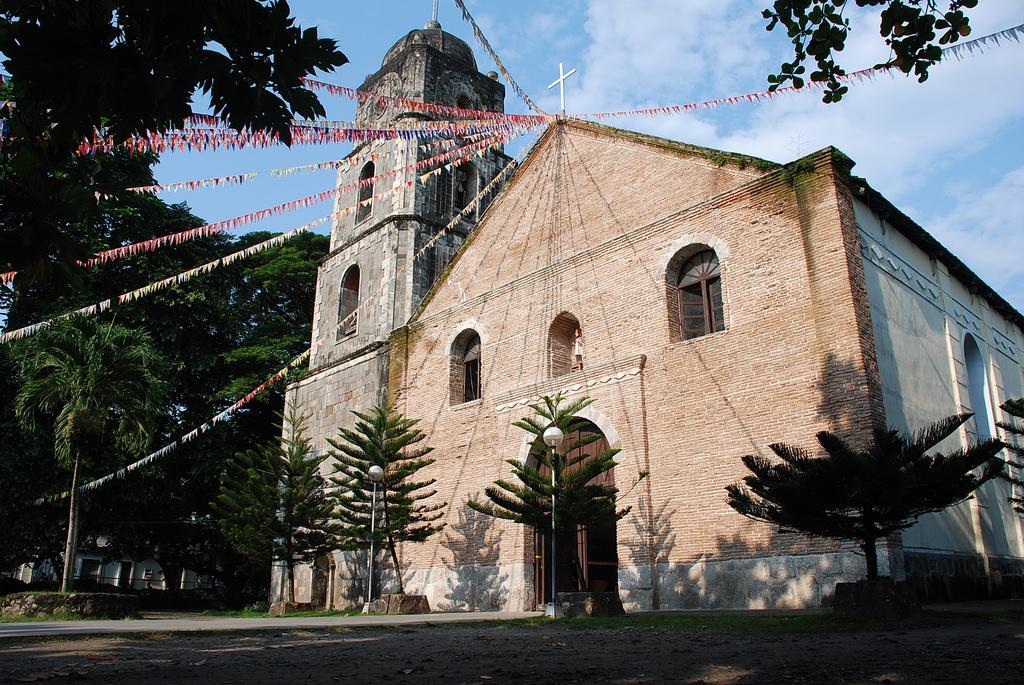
[370, 267]
[372, 247]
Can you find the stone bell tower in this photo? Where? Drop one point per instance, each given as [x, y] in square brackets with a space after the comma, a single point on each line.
[370, 265]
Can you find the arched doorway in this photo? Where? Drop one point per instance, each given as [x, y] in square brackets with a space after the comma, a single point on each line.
[596, 546]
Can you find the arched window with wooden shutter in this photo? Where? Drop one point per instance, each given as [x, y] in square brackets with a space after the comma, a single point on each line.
[699, 290]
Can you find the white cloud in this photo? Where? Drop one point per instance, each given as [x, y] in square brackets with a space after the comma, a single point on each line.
[897, 130]
[984, 230]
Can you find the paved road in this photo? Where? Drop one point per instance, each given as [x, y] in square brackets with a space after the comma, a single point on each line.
[211, 623]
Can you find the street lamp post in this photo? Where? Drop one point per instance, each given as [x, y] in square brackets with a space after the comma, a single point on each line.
[553, 437]
[376, 474]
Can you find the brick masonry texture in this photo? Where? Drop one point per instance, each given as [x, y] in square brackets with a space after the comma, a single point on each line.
[589, 227]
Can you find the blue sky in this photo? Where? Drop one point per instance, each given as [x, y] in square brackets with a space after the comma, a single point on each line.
[949, 152]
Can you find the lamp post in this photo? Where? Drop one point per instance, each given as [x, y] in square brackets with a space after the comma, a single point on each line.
[553, 437]
[376, 475]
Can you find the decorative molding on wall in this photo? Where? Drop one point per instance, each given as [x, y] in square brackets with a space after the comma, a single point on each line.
[600, 374]
[902, 271]
[1004, 344]
[965, 317]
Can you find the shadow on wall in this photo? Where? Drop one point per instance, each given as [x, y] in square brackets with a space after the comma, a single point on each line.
[350, 577]
[474, 579]
[650, 544]
[840, 381]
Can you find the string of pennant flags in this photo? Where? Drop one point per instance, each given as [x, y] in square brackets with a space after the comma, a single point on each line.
[417, 105]
[162, 284]
[123, 472]
[202, 139]
[449, 160]
[187, 437]
[956, 51]
[345, 162]
[185, 276]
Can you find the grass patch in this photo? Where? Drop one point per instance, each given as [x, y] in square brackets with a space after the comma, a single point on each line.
[750, 623]
[57, 617]
[252, 613]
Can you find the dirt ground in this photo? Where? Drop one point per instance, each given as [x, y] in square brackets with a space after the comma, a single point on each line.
[525, 653]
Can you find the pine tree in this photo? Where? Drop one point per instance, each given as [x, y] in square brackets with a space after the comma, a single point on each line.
[579, 501]
[1015, 464]
[273, 503]
[864, 494]
[383, 437]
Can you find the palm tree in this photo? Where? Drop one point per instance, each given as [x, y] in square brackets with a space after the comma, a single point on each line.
[86, 378]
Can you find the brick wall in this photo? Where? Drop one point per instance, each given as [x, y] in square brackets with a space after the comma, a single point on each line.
[589, 227]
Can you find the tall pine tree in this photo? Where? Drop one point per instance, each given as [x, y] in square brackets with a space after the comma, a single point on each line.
[383, 437]
[273, 504]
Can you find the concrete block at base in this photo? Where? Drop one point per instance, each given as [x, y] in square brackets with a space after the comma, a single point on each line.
[86, 604]
[589, 604]
[406, 604]
[879, 598]
[284, 608]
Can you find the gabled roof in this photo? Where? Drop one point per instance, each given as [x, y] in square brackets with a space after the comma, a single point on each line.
[719, 157]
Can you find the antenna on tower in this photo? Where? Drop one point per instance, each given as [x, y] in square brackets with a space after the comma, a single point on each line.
[434, 17]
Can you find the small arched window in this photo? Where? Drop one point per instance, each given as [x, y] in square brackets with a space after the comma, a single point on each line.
[465, 186]
[699, 293]
[565, 345]
[465, 368]
[365, 192]
[348, 303]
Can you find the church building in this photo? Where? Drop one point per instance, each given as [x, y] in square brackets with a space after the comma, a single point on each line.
[710, 303]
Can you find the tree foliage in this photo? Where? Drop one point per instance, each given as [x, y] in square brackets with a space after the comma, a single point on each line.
[273, 504]
[864, 494]
[914, 30]
[216, 338]
[130, 67]
[1015, 447]
[579, 500]
[383, 437]
[87, 380]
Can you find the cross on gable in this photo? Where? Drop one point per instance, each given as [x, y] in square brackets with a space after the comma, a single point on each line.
[560, 82]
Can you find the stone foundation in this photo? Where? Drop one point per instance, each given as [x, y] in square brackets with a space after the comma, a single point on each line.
[784, 582]
[84, 604]
[949, 577]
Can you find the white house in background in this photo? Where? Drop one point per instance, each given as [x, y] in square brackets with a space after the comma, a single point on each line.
[92, 566]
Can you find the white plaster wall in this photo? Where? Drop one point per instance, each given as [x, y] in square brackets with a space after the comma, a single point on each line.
[920, 315]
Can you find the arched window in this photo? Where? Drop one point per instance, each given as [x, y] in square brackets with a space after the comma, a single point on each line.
[977, 388]
[565, 345]
[462, 102]
[465, 368]
[348, 302]
[465, 186]
[697, 299]
[365, 192]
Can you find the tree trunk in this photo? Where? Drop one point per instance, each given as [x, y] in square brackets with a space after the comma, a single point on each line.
[394, 560]
[67, 580]
[871, 557]
[391, 540]
[291, 581]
